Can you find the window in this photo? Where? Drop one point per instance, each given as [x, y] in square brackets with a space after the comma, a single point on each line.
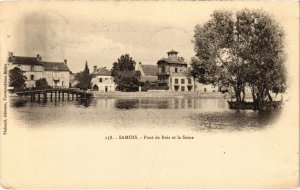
[176, 81]
[31, 77]
[32, 67]
[182, 88]
[100, 79]
[176, 87]
[176, 70]
[163, 69]
[189, 81]
[182, 81]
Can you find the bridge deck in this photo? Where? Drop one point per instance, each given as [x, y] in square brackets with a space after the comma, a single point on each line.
[56, 91]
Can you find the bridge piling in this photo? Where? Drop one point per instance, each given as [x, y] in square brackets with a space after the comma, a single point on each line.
[45, 96]
[39, 96]
[55, 96]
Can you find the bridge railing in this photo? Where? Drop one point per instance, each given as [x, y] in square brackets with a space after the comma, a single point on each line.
[62, 90]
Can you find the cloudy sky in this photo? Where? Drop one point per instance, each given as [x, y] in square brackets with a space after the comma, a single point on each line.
[100, 32]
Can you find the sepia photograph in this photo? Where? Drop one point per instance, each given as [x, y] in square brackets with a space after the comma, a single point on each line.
[149, 94]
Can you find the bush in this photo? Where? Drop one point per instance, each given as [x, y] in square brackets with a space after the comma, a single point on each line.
[41, 84]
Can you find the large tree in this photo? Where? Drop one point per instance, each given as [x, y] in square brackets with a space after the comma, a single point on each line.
[17, 79]
[84, 78]
[125, 76]
[239, 50]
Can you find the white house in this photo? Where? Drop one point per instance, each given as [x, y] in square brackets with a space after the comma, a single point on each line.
[33, 68]
[205, 88]
[57, 74]
[102, 80]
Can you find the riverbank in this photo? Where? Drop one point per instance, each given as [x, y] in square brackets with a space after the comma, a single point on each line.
[158, 94]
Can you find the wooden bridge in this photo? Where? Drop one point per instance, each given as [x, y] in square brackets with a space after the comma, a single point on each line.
[56, 94]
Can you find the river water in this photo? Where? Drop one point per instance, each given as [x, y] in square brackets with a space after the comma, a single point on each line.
[180, 112]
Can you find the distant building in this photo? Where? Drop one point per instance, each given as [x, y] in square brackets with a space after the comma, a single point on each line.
[73, 81]
[148, 73]
[173, 73]
[102, 80]
[205, 88]
[56, 73]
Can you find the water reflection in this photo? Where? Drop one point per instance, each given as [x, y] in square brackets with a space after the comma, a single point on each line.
[204, 104]
[171, 103]
[126, 104]
[86, 102]
[19, 103]
[195, 113]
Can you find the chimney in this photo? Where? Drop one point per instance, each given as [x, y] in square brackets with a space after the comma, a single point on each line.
[66, 61]
[95, 68]
[10, 56]
[39, 57]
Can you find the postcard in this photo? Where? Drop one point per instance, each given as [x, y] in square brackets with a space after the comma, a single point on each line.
[149, 94]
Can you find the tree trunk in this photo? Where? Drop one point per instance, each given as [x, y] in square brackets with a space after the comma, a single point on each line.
[244, 94]
[237, 94]
[253, 95]
[269, 96]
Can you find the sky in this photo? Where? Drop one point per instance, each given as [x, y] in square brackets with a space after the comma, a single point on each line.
[100, 32]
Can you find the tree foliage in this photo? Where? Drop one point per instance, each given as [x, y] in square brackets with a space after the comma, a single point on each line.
[84, 78]
[125, 76]
[41, 84]
[240, 50]
[17, 79]
[146, 85]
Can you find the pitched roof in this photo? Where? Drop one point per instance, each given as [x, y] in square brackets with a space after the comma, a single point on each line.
[102, 72]
[172, 61]
[149, 78]
[172, 51]
[55, 66]
[149, 70]
[21, 60]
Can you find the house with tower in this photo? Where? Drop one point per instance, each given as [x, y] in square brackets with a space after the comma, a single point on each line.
[173, 73]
